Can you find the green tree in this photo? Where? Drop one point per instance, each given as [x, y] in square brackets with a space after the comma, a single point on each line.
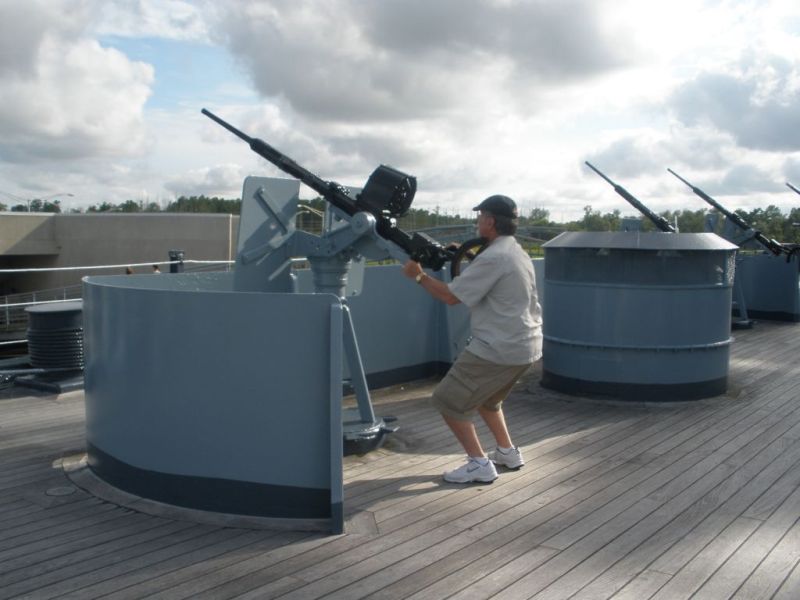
[104, 207]
[538, 216]
[769, 221]
[131, 206]
[51, 206]
[791, 227]
[204, 204]
[593, 220]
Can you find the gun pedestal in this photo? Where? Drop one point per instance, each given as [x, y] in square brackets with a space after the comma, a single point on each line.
[361, 430]
[268, 241]
[734, 235]
[330, 274]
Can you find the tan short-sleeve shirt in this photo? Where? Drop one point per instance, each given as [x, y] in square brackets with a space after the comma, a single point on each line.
[499, 288]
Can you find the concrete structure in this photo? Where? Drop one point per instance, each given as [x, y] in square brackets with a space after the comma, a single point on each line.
[39, 240]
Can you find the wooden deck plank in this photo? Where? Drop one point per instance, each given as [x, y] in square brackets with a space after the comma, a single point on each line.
[692, 529]
[469, 542]
[708, 472]
[305, 576]
[161, 578]
[776, 567]
[726, 581]
[467, 512]
[226, 578]
[643, 586]
[790, 590]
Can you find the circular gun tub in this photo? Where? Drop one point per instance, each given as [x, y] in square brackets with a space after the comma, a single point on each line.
[192, 398]
[638, 316]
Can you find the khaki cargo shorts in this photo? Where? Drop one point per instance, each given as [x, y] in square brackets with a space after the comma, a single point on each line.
[473, 382]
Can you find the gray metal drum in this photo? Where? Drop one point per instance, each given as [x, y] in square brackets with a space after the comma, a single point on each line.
[638, 316]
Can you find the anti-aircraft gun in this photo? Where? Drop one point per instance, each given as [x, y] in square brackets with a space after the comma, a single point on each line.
[657, 220]
[791, 187]
[386, 196]
[771, 245]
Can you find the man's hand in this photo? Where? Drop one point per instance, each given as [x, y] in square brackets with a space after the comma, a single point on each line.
[411, 269]
[437, 289]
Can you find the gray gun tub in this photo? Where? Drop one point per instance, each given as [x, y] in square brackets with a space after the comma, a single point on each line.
[638, 316]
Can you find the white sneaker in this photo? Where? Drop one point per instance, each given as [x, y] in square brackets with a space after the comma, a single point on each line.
[511, 459]
[471, 472]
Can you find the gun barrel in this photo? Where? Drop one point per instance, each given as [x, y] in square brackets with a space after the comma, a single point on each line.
[775, 247]
[227, 126]
[681, 178]
[791, 187]
[657, 220]
[332, 192]
[732, 216]
[417, 246]
[599, 172]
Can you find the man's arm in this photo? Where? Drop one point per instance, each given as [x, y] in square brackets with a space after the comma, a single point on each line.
[437, 289]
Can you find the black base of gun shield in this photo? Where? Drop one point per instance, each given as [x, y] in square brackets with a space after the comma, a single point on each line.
[635, 392]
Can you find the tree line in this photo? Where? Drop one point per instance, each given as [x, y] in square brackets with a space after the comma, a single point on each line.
[771, 221]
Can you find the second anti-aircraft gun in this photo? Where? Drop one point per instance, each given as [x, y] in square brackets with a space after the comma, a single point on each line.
[657, 220]
[748, 232]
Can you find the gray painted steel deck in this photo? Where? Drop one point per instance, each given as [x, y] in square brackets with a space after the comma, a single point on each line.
[698, 500]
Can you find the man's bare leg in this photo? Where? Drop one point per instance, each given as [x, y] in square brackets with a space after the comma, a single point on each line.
[466, 435]
[496, 423]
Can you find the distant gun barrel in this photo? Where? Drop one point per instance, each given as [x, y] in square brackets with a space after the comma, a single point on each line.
[657, 220]
[387, 194]
[791, 187]
[772, 245]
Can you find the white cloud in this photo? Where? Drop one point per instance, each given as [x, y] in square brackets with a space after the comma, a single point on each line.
[471, 96]
[172, 19]
[344, 60]
[67, 97]
[212, 181]
[759, 105]
[748, 179]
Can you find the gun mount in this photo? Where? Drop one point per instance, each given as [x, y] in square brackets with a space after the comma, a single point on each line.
[771, 245]
[657, 220]
[358, 225]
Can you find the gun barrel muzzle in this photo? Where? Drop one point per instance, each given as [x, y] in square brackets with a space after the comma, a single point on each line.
[227, 126]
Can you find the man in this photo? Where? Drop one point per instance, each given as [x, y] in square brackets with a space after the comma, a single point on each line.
[499, 288]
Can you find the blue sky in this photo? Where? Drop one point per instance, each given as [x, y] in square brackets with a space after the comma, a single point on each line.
[102, 98]
[186, 71]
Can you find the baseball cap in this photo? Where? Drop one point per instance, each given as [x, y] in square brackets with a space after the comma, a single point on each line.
[499, 205]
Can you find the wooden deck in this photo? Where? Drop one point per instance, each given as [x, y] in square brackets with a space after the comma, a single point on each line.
[696, 500]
